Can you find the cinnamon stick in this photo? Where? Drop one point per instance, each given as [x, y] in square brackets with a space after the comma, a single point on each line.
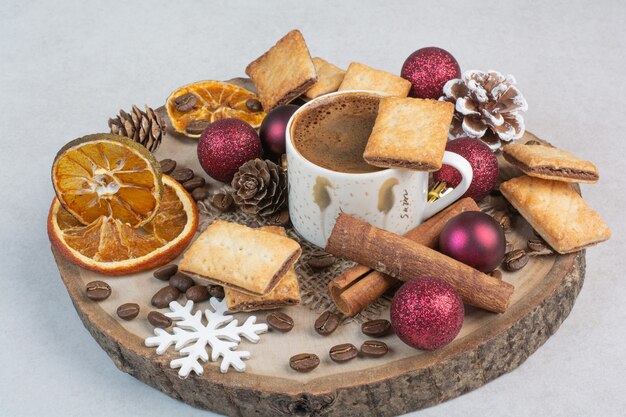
[360, 286]
[405, 259]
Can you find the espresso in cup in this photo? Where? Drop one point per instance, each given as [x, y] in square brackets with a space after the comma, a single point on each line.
[333, 133]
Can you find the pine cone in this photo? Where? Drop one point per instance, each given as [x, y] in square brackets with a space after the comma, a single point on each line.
[260, 187]
[487, 106]
[146, 128]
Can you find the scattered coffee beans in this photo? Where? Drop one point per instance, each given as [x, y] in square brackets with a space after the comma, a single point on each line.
[181, 282]
[538, 247]
[279, 219]
[254, 105]
[327, 323]
[280, 321]
[216, 291]
[197, 293]
[200, 194]
[165, 296]
[515, 260]
[376, 328]
[98, 290]
[503, 219]
[168, 166]
[194, 183]
[158, 319]
[196, 127]
[304, 362]
[128, 311]
[185, 102]
[374, 348]
[182, 174]
[343, 352]
[223, 202]
[321, 260]
[164, 273]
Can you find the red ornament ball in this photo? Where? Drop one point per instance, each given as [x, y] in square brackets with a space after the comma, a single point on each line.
[225, 145]
[427, 313]
[474, 238]
[273, 128]
[429, 69]
[484, 164]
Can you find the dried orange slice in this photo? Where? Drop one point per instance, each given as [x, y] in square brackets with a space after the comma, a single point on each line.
[107, 175]
[209, 101]
[111, 247]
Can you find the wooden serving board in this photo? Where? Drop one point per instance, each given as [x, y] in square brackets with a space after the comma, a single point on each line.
[404, 380]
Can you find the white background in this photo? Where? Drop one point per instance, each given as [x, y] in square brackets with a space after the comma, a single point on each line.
[66, 66]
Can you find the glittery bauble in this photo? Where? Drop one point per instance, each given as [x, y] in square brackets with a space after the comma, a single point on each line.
[427, 313]
[484, 165]
[225, 145]
[474, 238]
[429, 69]
[273, 128]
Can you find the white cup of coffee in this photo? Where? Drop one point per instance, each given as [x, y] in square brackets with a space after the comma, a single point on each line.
[325, 140]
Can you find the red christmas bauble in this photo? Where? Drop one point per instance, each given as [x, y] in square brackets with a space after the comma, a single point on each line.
[427, 313]
[273, 128]
[484, 165]
[429, 69]
[474, 238]
[225, 145]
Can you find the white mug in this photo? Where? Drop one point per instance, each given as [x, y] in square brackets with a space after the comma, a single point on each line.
[391, 199]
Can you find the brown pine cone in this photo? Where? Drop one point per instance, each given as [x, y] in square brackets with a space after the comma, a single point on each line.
[260, 187]
[487, 106]
[146, 128]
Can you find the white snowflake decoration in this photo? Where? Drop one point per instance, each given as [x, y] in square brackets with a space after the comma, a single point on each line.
[191, 337]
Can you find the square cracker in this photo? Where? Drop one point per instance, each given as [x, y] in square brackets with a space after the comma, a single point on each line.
[557, 212]
[236, 256]
[409, 133]
[286, 293]
[284, 72]
[329, 78]
[362, 77]
[547, 162]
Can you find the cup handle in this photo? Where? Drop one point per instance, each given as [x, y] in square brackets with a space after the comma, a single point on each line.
[461, 164]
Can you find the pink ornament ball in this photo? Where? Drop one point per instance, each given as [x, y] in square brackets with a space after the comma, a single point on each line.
[427, 313]
[225, 145]
[428, 69]
[474, 238]
[273, 128]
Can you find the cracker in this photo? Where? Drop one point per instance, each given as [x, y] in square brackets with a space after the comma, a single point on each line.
[557, 212]
[547, 162]
[362, 77]
[329, 78]
[286, 293]
[284, 72]
[409, 133]
[235, 256]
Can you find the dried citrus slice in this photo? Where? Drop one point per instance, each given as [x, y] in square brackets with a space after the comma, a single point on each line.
[209, 101]
[107, 175]
[111, 247]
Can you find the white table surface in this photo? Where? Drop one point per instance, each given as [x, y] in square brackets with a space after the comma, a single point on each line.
[66, 66]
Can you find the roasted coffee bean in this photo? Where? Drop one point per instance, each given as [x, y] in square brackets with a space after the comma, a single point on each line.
[515, 260]
[374, 348]
[165, 296]
[223, 202]
[185, 102]
[158, 319]
[279, 219]
[279, 321]
[168, 166]
[200, 194]
[343, 352]
[194, 183]
[196, 127]
[327, 323]
[181, 282]
[182, 174]
[539, 248]
[254, 105]
[197, 293]
[503, 219]
[128, 311]
[321, 261]
[496, 274]
[304, 362]
[216, 291]
[98, 290]
[376, 328]
[165, 272]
